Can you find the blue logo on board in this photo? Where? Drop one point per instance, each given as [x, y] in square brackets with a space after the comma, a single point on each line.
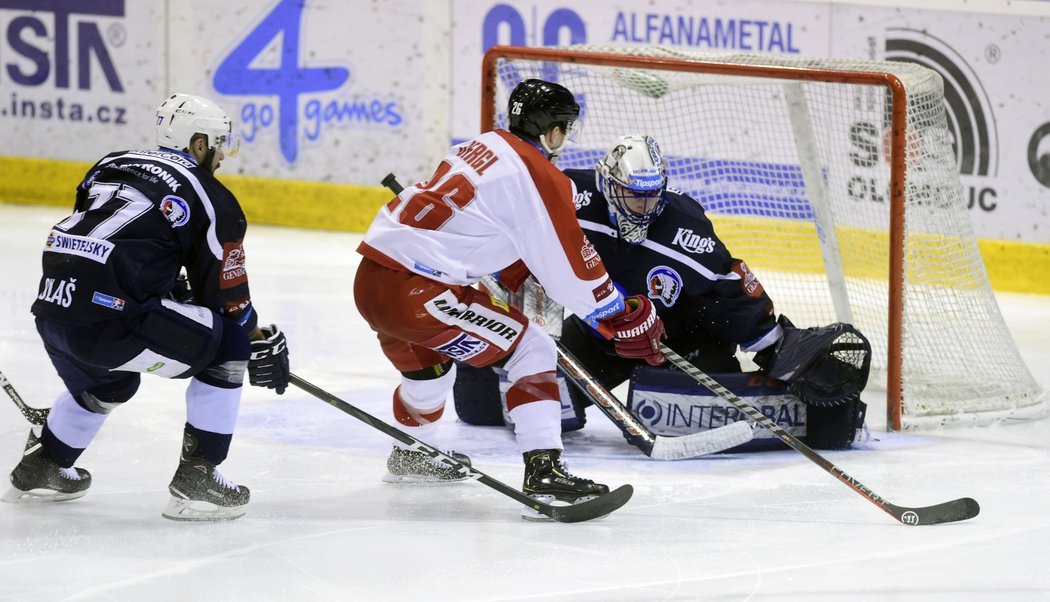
[296, 109]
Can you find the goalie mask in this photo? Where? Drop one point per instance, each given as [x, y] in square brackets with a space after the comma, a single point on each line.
[536, 106]
[182, 116]
[633, 178]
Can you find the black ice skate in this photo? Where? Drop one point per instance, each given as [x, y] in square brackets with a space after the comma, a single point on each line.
[547, 480]
[39, 479]
[199, 492]
[410, 466]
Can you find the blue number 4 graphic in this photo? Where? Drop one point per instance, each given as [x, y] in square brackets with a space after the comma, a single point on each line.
[287, 82]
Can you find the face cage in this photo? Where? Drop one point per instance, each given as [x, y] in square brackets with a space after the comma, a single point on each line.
[618, 195]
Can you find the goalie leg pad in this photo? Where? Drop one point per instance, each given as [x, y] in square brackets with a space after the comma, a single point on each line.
[480, 399]
[835, 427]
[477, 396]
[671, 403]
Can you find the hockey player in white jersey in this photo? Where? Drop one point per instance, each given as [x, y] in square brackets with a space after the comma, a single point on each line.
[495, 204]
[659, 242]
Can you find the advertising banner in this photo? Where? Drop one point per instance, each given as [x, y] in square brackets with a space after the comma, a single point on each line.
[997, 102]
[743, 26]
[337, 92]
[323, 90]
[79, 79]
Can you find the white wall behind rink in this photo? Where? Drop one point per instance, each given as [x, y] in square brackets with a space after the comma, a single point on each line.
[347, 90]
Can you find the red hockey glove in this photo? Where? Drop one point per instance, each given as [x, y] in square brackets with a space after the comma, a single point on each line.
[637, 332]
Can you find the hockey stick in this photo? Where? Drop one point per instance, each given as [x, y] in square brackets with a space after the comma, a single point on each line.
[636, 433]
[35, 416]
[583, 511]
[947, 512]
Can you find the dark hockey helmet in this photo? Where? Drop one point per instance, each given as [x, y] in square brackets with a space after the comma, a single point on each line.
[536, 105]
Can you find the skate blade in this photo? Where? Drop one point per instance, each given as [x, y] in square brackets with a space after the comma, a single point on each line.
[415, 479]
[529, 514]
[14, 495]
[197, 511]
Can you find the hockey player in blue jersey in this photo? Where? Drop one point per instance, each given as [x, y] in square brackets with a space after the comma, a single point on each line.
[659, 243]
[109, 309]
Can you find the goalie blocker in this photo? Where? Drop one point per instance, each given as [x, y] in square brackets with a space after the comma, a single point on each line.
[671, 403]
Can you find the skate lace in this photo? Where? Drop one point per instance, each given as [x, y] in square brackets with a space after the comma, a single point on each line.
[563, 468]
[221, 480]
[69, 473]
[436, 461]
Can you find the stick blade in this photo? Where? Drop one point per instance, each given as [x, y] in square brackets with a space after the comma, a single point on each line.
[591, 509]
[948, 512]
[702, 443]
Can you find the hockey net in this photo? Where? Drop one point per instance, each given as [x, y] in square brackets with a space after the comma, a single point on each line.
[836, 181]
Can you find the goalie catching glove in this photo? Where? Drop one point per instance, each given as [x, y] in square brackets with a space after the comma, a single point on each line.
[637, 332]
[268, 364]
[823, 366]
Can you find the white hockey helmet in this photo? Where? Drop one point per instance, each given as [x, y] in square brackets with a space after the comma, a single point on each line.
[633, 178]
[182, 116]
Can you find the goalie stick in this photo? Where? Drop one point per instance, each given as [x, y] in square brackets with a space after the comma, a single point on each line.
[583, 511]
[35, 416]
[947, 512]
[655, 446]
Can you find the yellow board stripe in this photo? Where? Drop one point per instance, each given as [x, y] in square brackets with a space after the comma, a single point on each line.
[1012, 266]
[298, 204]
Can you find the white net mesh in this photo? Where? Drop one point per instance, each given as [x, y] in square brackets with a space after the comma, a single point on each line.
[795, 174]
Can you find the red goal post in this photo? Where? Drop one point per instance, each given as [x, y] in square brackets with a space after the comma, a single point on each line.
[884, 225]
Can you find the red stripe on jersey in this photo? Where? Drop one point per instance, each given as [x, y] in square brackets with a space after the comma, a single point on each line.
[555, 189]
[409, 416]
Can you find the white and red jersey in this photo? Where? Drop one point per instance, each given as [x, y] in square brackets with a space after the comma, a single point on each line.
[493, 200]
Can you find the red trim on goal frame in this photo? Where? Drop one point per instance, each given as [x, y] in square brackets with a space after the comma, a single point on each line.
[892, 83]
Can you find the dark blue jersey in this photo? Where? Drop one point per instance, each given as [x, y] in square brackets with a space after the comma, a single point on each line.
[694, 282]
[139, 217]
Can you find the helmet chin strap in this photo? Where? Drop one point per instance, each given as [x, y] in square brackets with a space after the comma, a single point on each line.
[552, 153]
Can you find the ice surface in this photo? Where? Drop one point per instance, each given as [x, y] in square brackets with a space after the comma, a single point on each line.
[322, 526]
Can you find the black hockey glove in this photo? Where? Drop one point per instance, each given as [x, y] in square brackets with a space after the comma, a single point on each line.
[181, 292]
[268, 364]
[823, 366]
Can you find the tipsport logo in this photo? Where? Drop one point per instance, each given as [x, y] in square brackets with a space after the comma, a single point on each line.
[296, 111]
